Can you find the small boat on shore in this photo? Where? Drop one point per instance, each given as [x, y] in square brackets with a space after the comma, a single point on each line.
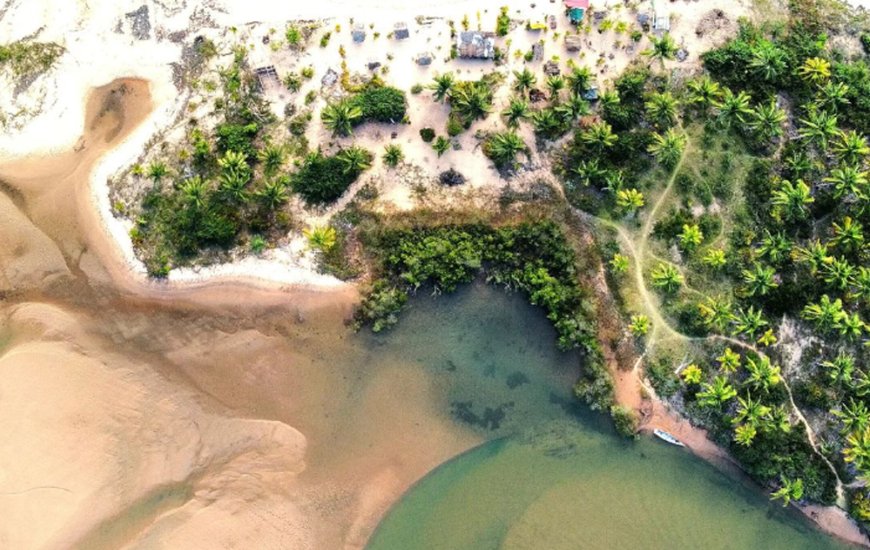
[665, 436]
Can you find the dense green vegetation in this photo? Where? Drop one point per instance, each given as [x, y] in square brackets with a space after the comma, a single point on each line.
[26, 59]
[371, 102]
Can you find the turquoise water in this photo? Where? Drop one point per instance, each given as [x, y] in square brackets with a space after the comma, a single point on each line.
[553, 475]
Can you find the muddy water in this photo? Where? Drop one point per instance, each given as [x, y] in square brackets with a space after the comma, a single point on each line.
[232, 415]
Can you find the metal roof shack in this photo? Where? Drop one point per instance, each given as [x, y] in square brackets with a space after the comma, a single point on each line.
[476, 45]
[400, 31]
[662, 22]
[358, 33]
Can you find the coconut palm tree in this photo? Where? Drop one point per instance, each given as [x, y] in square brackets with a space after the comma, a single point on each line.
[194, 191]
[766, 121]
[589, 171]
[825, 314]
[661, 48]
[503, 147]
[857, 449]
[833, 95]
[768, 61]
[234, 162]
[690, 237]
[274, 193]
[733, 108]
[614, 180]
[441, 145]
[692, 374]
[861, 285]
[775, 247]
[729, 361]
[668, 148]
[555, 83]
[750, 412]
[815, 254]
[838, 273]
[321, 238]
[548, 124]
[762, 374]
[574, 108]
[272, 156]
[517, 110]
[815, 70]
[749, 321]
[714, 258]
[471, 102]
[667, 277]
[661, 108]
[744, 434]
[393, 155]
[777, 419]
[716, 312]
[840, 369]
[704, 92]
[599, 136]
[792, 199]
[848, 181]
[441, 87]
[855, 416]
[819, 127]
[790, 490]
[851, 147]
[629, 200]
[759, 280]
[354, 160]
[233, 187]
[848, 236]
[341, 117]
[579, 79]
[797, 162]
[851, 326]
[618, 264]
[524, 81]
[639, 325]
[717, 393]
[767, 339]
[157, 170]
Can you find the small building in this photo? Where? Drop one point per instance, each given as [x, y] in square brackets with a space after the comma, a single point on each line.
[267, 77]
[538, 51]
[662, 23]
[551, 68]
[425, 58]
[329, 79]
[591, 94]
[576, 10]
[476, 45]
[643, 19]
[573, 42]
[400, 31]
[358, 33]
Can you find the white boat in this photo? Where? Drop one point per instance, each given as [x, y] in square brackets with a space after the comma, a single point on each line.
[665, 436]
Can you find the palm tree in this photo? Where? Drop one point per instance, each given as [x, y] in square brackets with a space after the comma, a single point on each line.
[716, 312]
[555, 84]
[393, 155]
[833, 95]
[599, 136]
[749, 321]
[321, 238]
[778, 419]
[629, 200]
[714, 258]
[667, 277]
[579, 79]
[614, 181]
[775, 247]
[441, 87]
[354, 160]
[848, 237]
[234, 162]
[852, 147]
[692, 374]
[341, 117]
[792, 199]
[156, 171]
[471, 102]
[233, 187]
[857, 449]
[661, 48]
[194, 191]
[661, 108]
[815, 254]
[840, 369]
[861, 285]
[825, 314]
[815, 70]
[573, 108]
[274, 193]
[855, 416]
[668, 148]
[759, 280]
[744, 434]
[767, 339]
[838, 273]
[717, 393]
[819, 127]
[790, 490]
[797, 162]
[517, 110]
[733, 108]
[589, 171]
[639, 325]
[704, 92]
[860, 384]
[441, 145]
[851, 326]
[547, 124]
[762, 374]
[691, 237]
[767, 120]
[503, 147]
[524, 81]
[768, 61]
[618, 264]
[848, 180]
[750, 412]
[272, 157]
[729, 361]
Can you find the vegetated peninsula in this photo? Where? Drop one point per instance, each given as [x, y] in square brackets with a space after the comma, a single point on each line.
[683, 192]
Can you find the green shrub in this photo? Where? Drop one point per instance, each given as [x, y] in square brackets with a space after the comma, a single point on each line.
[322, 179]
[237, 137]
[427, 134]
[625, 420]
[503, 22]
[26, 59]
[381, 104]
[324, 40]
[454, 126]
[416, 89]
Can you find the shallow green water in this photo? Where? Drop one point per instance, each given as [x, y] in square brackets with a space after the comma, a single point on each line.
[553, 475]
